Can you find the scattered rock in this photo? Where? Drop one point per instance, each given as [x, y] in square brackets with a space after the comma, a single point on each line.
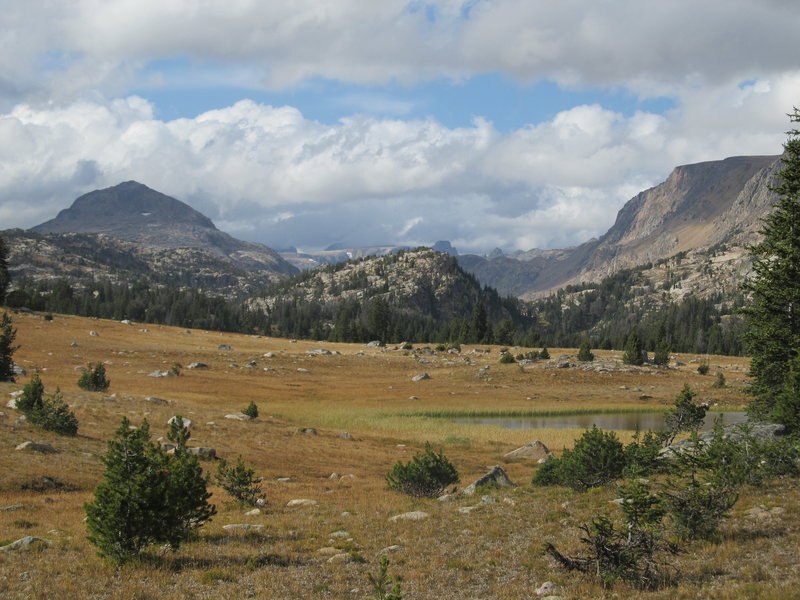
[79, 368]
[340, 558]
[334, 476]
[496, 476]
[205, 453]
[93, 333]
[328, 551]
[155, 400]
[243, 527]
[187, 423]
[238, 417]
[375, 344]
[18, 371]
[535, 450]
[548, 588]
[420, 377]
[197, 365]
[285, 479]
[318, 352]
[224, 347]
[36, 447]
[340, 534]
[301, 502]
[390, 549]
[12, 404]
[12, 508]
[162, 374]
[302, 370]
[414, 515]
[307, 431]
[253, 513]
[345, 435]
[25, 542]
[269, 355]
[735, 433]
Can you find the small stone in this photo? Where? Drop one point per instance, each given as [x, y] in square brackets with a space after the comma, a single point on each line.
[12, 508]
[340, 534]
[339, 558]
[420, 377]
[390, 549]
[197, 365]
[93, 333]
[243, 527]
[285, 479]
[415, 515]
[187, 423]
[253, 513]
[36, 447]
[238, 417]
[301, 502]
[224, 347]
[25, 542]
[345, 435]
[548, 588]
[333, 476]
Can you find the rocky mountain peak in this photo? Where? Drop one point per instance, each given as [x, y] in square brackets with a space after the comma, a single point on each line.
[134, 212]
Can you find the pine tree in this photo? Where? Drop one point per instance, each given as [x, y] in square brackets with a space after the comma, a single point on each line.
[146, 496]
[585, 352]
[32, 395]
[480, 323]
[773, 315]
[634, 351]
[7, 348]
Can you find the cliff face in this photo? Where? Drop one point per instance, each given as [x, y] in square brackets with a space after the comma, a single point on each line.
[697, 207]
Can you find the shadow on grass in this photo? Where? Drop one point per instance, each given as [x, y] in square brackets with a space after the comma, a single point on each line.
[177, 564]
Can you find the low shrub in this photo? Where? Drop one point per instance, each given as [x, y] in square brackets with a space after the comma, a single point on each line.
[426, 475]
[507, 358]
[703, 368]
[239, 481]
[251, 410]
[54, 415]
[597, 458]
[94, 379]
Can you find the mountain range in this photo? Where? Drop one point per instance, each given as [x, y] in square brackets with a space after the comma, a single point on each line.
[684, 239]
[699, 207]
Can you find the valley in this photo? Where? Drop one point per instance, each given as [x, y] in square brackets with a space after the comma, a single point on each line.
[309, 394]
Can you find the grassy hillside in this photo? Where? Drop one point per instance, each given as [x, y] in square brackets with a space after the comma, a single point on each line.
[494, 551]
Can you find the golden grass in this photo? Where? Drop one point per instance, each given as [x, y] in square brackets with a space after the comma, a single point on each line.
[492, 552]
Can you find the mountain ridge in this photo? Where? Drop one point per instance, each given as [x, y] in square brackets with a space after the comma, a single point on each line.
[698, 206]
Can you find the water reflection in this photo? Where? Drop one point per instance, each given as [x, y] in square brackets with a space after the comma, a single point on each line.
[620, 421]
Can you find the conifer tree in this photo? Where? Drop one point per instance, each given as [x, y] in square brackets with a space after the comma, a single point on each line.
[7, 348]
[773, 315]
[146, 496]
[634, 351]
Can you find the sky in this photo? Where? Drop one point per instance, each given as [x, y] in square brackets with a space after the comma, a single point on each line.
[511, 124]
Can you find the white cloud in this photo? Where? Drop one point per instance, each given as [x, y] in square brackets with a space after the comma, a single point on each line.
[269, 174]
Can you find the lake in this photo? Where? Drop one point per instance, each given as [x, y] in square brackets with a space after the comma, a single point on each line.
[625, 421]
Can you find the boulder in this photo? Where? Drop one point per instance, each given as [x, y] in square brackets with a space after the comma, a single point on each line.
[301, 502]
[25, 542]
[536, 450]
[187, 423]
[238, 417]
[206, 453]
[736, 433]
[496, 476]
[243, 527]
[36, 447]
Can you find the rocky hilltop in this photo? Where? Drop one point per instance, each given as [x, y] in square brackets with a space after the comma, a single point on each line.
[131, 232]
[699, 210]
[133, 212]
